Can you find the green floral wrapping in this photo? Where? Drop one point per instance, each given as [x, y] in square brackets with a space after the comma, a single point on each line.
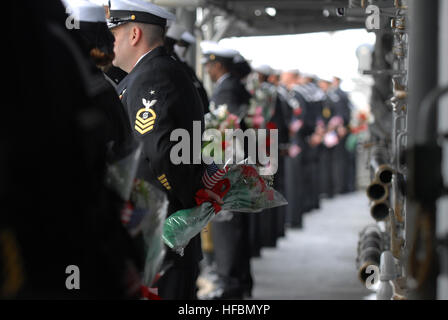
[248, 192]
[183, 225]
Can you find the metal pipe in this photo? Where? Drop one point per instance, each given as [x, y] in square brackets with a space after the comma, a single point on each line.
[397, 199]
[223, 28]
[371, 231]
[388, 272]
[396, 240]
[369, 250]
[401, 144]
[379, 210]
[385, 174]
[370, 257]
[382, 170]
[377, 191]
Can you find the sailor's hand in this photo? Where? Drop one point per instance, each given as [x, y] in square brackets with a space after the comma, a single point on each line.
[214, 196]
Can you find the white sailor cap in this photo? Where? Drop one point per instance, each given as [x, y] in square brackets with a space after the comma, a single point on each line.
[175, 31]
[241, 67]
[238, 58]
[277, 72]
[263, 69]
[188, 37]
[326, 77]
[83, 10]
[307, 74]
[338, 76]
[293, 71]
[213, 51]
[123, 11]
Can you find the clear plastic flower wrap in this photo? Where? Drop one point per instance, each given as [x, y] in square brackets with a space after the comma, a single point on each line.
[147, 212]
[242, 189]
[121, 173]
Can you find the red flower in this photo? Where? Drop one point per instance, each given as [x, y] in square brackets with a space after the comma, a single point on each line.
[249, 171]
[146, 293]
[297, 111]
[126, 212]
[224, 145]
[363, 116]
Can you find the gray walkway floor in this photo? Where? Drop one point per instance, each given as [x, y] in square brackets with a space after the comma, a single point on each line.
[318, 261]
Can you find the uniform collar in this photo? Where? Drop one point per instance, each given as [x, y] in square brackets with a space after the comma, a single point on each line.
[222, 78]
[141, 58]
[159, 51]
[148, 56]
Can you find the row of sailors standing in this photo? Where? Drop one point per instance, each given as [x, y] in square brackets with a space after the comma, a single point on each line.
[311, 116]
[107, 256]
[318, 163]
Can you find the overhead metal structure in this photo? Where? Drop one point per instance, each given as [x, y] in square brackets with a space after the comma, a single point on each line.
[286, 16]
[262, 17]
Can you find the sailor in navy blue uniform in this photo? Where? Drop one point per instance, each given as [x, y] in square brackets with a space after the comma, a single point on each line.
[314, 97]
[230, 238]
[348, 158]
[160, 97]
[177, 42]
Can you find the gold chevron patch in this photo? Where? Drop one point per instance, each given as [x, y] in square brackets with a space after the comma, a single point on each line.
[144, 121]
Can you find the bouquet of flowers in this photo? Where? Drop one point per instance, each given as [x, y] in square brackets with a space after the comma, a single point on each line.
[220, 118]
[145, 213]
[241, 188]
[358, 129]
[331, 139]
[262, 106]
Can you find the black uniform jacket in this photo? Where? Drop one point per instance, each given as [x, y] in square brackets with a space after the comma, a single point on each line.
[199, 86]
[343, 105]
[70, 217]
[197, 83]
[160, 97]
[232, 93]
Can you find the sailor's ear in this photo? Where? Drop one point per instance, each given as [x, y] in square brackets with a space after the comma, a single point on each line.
[135, 34]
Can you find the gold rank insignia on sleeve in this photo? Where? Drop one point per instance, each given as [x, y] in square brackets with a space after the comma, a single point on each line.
[163, 180]
[144, 121]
